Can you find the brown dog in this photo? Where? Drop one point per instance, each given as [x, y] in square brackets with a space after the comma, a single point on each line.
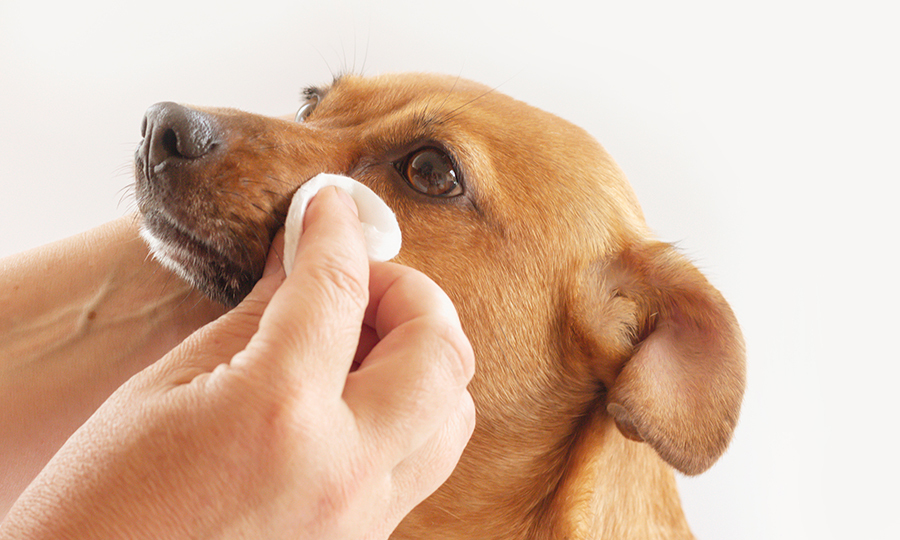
[604, 358]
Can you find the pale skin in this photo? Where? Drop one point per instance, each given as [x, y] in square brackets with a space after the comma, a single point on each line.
[257, 425]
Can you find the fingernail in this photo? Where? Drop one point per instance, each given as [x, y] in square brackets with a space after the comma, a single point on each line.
[272, 266]
[348, 200]
[274, 263]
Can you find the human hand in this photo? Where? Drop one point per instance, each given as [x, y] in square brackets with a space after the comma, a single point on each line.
[255, 425]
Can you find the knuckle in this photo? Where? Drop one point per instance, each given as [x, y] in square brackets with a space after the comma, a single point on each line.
[341, 280]
[458, 352]
[467, 406]
[243, 320]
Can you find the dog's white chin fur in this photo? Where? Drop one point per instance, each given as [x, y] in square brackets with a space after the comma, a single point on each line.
[380, 227]
[158, 249]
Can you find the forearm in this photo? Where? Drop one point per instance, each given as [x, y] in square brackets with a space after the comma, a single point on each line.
[77, 318]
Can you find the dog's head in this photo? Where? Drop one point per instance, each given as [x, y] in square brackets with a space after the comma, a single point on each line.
[580, 320]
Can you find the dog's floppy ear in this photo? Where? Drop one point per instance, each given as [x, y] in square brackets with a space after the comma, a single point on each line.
[669, 350]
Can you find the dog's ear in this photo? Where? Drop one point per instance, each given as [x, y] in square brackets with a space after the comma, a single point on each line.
[669, 350]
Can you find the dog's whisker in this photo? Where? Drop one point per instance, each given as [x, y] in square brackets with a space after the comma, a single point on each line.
[278, 180]
[264, 243]
[127, 197]
[452, 88]
[126, 169]
[264, 211]
[324, 60]
[355, 49]
[240, 223]
[455, 112]
[272, 147]
[362, 70]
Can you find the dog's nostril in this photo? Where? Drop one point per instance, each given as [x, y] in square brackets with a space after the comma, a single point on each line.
[172, 131]
[170, 143]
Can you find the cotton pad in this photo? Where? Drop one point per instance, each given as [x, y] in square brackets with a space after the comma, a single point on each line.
[379, 224]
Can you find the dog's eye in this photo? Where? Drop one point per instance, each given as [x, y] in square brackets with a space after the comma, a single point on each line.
[430, 171]
[307, 108]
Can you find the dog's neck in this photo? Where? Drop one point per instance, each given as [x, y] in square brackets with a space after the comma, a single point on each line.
[624, 491]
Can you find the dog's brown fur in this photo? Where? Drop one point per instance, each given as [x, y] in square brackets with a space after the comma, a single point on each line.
[604, 358]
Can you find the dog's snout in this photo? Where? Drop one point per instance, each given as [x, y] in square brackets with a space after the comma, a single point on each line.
[174, 132]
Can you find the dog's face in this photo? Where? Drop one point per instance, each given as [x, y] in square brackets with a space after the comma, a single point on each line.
[581, 323]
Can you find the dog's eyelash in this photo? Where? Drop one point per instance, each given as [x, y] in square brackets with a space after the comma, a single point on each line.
[310, 92]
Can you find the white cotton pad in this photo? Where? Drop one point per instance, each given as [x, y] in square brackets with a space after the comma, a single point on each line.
[379, 224]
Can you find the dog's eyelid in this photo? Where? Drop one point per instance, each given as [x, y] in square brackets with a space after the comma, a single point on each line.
[307, 108]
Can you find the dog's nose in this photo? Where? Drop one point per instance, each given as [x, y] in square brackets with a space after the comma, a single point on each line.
[174, 132]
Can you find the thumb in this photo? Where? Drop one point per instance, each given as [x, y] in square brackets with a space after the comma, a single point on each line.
[313, 321]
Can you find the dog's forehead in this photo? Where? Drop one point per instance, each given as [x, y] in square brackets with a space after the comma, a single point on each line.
[435, 101]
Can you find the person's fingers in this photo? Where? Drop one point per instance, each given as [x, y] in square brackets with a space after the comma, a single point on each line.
[410, 382]
[399, 293]
[368, 338]
[313, 321]
[219, 341]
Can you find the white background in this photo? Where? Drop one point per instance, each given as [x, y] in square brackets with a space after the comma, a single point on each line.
[762, 137]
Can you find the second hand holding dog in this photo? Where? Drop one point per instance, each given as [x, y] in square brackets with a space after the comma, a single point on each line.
[257, 426]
